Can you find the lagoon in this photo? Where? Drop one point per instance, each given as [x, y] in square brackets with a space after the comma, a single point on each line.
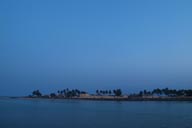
[48, 113]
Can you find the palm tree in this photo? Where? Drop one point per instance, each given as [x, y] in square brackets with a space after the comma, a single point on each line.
[77, 92]
[109, 92]
[52, 95]
[97, 92]
[141, 93]
[118, 92]
[145, 92]
[106, 92]
[64, 92]
[166, 91]
[58, 92]
[114, 91]
[61, 92]
[101, 92]
[37, 93]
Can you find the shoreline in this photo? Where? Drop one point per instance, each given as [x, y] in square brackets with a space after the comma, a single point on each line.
[112, 99]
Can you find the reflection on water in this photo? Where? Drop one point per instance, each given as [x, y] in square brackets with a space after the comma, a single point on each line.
[38, 113]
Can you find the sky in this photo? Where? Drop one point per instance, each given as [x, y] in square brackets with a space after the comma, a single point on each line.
[94, 44]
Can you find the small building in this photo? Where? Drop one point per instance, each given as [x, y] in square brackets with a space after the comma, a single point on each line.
[84, 95]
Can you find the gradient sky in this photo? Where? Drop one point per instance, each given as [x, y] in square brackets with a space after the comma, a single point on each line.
[94, 44]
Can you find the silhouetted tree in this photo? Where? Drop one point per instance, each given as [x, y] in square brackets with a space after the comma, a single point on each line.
[106, 92]
[37, 93]
[141, 93]
[117, 92]
[166, 91]
[101, 92]
[145, 92]
[59, 92]
[109, 92]
[114, 91]
[52, 95]
[157, 91]
[77, 92]
[97, 92]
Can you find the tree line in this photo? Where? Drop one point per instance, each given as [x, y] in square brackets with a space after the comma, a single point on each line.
[60, 93]
[67, 93]
[115, 92]
[166, 92]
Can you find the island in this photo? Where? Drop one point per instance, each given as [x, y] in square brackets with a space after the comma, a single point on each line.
[164, 94]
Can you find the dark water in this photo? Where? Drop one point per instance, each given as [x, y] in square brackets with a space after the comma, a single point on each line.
[15, 113]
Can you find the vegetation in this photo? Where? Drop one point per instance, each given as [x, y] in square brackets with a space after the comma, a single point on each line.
[117, 92]
[75, 93]
[103, 92]
[167, 92]
[52, 95]
[36, 93]
[60, 93]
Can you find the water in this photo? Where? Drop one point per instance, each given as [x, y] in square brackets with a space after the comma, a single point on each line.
[18, 113]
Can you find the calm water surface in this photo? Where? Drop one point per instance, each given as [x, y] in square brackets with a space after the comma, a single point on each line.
[17, 113]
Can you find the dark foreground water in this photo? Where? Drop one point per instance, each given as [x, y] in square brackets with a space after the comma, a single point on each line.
[16, 113]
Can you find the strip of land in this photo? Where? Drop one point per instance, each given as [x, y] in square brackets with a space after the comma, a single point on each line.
[114, 98]
[116, 95]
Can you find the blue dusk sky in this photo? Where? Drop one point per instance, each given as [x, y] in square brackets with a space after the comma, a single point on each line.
[94, 44]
